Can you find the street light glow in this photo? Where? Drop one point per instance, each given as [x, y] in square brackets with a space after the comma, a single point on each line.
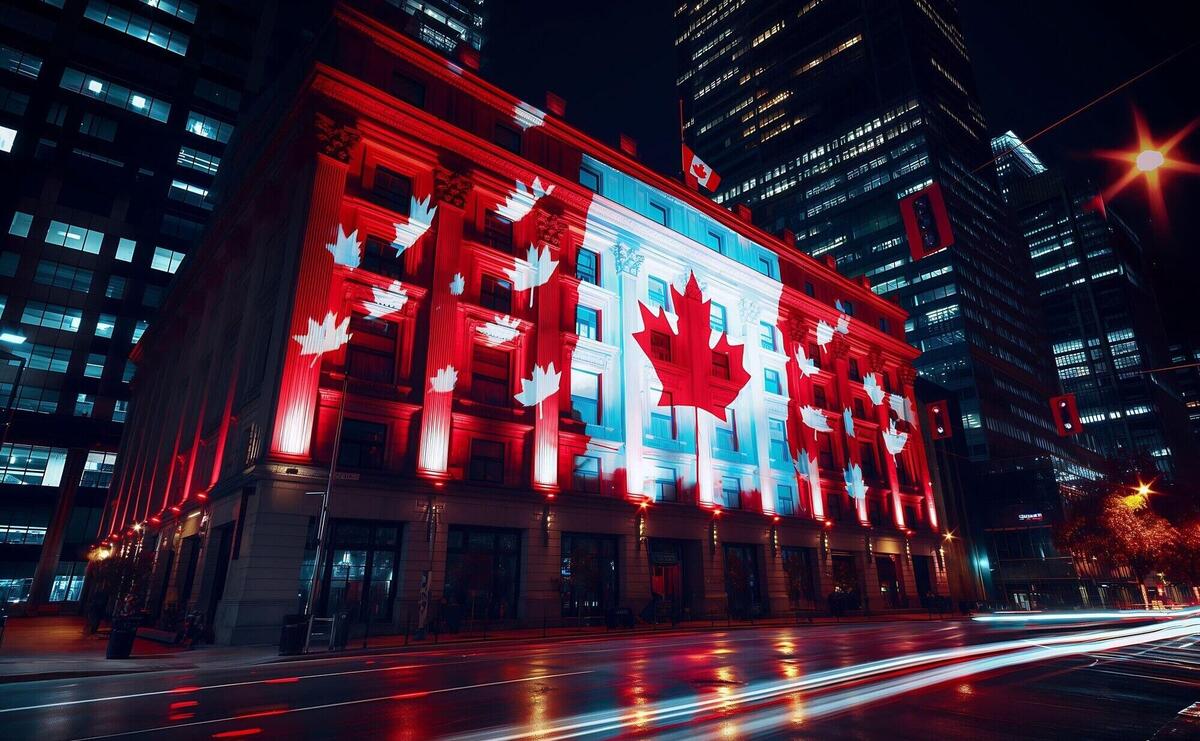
[1149, 160]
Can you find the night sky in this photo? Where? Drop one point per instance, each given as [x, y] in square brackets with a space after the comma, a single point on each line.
[1035, 62]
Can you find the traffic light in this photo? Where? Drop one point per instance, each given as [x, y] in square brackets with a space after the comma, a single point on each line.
[926, 222]
[939, 420]
[1066, 415]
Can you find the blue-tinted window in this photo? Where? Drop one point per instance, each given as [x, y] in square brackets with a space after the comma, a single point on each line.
[657, 292]
[587, 322]
[772, 382]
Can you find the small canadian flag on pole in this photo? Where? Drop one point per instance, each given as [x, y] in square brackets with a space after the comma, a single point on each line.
[697, 173]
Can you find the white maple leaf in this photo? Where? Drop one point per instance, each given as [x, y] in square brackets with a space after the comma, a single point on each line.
[324, 336]
[873, 389]
[443, 381]
[457, 284]
[854, 482]
[420, 218]
[534, 271]
[815, 420]
[346, 249]
[807, 367]
[824, 333]
[807, 467]
[902, 407]
[526, 116]
[843, 324]
[848, 422]
[500, 330]
[386, 301]
[540, 386]
[893, 440]
[520, 202]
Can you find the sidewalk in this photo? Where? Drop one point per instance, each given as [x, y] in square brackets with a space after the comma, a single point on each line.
[55, 647]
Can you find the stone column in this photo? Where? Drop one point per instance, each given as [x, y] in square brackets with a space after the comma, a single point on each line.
[840, 354]
[548, 349]
[450, 190]
[628, 262]
[750, 312]
[294, 417]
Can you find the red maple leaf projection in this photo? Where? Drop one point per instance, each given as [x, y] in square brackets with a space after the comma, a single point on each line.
[685, 364]
[700, 171]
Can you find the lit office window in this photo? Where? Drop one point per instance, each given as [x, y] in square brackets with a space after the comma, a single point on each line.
[194, 159]
[115, 288]
[74, 237]
[85, 404]
[184, 10]
[8, 137]
[209, 127]
[68, 581]
[20, 62]
[98, 469]
[50, 273]
[20, 225]
[139, 27]
[125, 249]
[190, 194]
[139, 329]
[166, 260]
[32, 465]
[53, 316]
[94, 368]
[120, 410]
[115, 95]
[105, 325]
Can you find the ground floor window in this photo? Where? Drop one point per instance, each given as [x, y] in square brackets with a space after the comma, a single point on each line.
[891, 582]
[68, 582]
[742, 584]
[15, 580]
[589, 574]
[361, 575]
[847, 582]
[799, 565]
[923, 577]
[483, 567]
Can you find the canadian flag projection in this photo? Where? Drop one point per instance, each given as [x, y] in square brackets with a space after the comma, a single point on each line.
[697, 173]
[1066, 415]
[926, 222]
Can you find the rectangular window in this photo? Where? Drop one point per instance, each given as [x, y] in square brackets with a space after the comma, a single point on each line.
[139, 329]
[371, 353]
[115, 95]
[657, 293]
[766, 336]
[21, 222]
[717, 317]
[726, 432]
[809, 289]
[662, 416]
[487, 462]
[660, 346]
[766, 266]
[819, 397]
[184, 10]
[497, 231]
[658, 213]
[120, 410]
[20, 62]
[85, 404]
[105, 325]
[13, 102]
[53, 316]
[125, 249]
[785, 499]
[50, 273]
[130, 369]
[853, 370]
[139, 27]
[587, 322]
[74, 237]
[714, 242]
[362, 444]
[391, 189]
[166, 260]
[209, 127]
[98, 126]
[587, 266]
[68, 581]
[32, 465]
[720, 365]
[379, 257]
[731, 492]
[43, 357]
[585, 395]
[8, 263]
[190, 194]
[8, 137]
[218, 94]
[589, 179]
[507, 137]
[586, 476]
[883, 325]
[407, 89]
[772, 382]
[115, 288]
[777, 434]
[194, 159]
[665, 485]
[490, 380]
[495, 294]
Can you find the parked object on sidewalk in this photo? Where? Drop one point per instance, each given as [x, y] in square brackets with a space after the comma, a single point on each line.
[341, 631]
[291, 636]
[120, 640]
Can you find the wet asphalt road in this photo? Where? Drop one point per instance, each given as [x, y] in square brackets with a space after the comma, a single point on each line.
[954, 680]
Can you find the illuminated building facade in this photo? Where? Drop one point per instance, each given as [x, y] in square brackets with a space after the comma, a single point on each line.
[545, 378]
[1102, 318]
[445, 24]
[836, 121]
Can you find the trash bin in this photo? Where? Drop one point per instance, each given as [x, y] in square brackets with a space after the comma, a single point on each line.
[341, 631]
[120, 640]
[291, 636]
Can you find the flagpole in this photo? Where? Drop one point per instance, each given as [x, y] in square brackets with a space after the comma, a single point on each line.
[682, 141]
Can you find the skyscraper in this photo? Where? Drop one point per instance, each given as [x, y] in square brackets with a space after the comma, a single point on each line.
[856, 126]
[1102, 317]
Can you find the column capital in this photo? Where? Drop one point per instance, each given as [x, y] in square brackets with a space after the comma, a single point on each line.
[749, 309]
[549, 227]
[627, 258]
[334, 138]
[450, 186]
